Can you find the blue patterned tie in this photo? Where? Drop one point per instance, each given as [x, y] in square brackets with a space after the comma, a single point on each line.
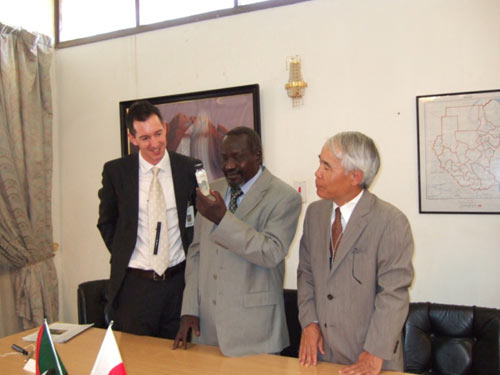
[235, 194]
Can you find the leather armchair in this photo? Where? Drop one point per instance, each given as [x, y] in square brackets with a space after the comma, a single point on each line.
[451, 339]
[438, 339]
[92, 299]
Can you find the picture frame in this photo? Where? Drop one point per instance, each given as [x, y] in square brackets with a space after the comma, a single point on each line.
[458, 136]
[197, 121]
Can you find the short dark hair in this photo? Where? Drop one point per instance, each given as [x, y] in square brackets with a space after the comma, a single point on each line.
[253, 139]
[141, 111]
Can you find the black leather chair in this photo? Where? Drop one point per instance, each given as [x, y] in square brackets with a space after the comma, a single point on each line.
[438, 339]
[292, 322]
[450, 339]
[92, 299]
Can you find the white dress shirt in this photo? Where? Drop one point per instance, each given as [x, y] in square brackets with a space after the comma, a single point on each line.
[141, 255]
[346, 210]
[244, 188]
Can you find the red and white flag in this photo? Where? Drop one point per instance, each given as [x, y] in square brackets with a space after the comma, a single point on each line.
[109, 361]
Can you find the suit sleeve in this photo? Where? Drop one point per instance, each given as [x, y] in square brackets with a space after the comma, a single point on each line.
[190, 301]
[305, 280]
[108, 209]
[395, 274]
[269, 246]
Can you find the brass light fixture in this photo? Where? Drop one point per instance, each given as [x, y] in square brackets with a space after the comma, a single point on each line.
[295, 86]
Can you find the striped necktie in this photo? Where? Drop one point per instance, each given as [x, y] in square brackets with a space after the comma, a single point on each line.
[235, 194]
[336, 235]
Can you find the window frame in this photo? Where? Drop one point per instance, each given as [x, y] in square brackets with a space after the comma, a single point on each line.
[237, 9]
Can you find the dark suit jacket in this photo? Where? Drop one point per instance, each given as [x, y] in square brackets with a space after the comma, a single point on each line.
[119, 209]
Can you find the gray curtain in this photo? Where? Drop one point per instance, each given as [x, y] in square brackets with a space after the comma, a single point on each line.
[26, 174]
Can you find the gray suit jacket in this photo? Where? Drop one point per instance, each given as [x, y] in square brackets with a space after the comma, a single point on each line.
[235, 270]
[362, 302]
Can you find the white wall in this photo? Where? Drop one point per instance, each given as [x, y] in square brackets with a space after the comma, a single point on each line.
[365, 61]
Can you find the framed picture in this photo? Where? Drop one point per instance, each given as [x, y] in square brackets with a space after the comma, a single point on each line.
[197, 122]
[459, 152]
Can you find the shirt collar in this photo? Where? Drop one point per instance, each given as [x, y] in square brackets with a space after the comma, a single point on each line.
[247, 185]
[146, 166]
[347, 208]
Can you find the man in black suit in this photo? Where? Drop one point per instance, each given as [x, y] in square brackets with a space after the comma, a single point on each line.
[142, 301]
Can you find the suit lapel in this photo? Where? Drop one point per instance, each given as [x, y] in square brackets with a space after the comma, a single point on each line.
[323, 227]
[355, 227]
[254, 195]
[131, 180]
[178, 185]
[249, 200]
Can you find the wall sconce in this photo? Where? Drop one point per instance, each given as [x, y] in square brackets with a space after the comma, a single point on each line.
[295, 87]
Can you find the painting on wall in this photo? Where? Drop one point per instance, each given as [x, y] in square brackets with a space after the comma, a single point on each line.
[197, 122]
[459, 152]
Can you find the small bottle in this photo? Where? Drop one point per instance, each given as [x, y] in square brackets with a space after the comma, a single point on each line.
[201, 177]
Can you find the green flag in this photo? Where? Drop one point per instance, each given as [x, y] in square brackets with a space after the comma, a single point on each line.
[47, 359]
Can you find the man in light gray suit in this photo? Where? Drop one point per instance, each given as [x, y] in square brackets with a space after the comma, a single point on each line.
[235, 265]
[353, 281]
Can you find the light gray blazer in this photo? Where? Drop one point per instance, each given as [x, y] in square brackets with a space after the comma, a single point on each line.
[235, 270]
[362, 302]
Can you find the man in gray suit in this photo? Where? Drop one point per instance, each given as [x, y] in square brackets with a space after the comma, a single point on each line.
[235, 265]
[355, 265]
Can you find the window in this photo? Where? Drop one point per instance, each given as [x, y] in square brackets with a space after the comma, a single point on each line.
[79, 22]
[79, 19]
[152, 11]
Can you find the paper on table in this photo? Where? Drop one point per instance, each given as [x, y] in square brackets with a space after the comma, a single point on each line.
[30, 366]
[61, 332]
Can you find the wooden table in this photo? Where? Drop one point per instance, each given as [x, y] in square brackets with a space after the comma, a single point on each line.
[148, 355]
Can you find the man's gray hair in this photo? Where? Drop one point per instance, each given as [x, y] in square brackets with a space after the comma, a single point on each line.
[356, 152]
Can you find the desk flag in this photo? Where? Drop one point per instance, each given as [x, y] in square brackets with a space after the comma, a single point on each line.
[47, 359]
[109, 361]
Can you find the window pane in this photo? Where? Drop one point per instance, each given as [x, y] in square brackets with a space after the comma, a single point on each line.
[152, 11]
[91, 17]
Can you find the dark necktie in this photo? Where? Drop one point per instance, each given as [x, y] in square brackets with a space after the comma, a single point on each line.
[235, 194]
[336, 234]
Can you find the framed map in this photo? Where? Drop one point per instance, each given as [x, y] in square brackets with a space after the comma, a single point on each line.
[459, 152]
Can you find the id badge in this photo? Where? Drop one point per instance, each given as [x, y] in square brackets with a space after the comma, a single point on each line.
[189, 216]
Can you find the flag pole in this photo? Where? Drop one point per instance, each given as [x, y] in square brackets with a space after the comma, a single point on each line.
[53, 347]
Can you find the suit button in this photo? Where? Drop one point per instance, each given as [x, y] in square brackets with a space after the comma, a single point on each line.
[330, 297]
[213, 301]
[325, 325]
[215, 277]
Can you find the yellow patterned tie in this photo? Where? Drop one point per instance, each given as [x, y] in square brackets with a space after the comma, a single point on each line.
[158, 230]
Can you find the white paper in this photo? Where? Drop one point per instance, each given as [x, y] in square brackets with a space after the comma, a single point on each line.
[30, 366]
[61, 332]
